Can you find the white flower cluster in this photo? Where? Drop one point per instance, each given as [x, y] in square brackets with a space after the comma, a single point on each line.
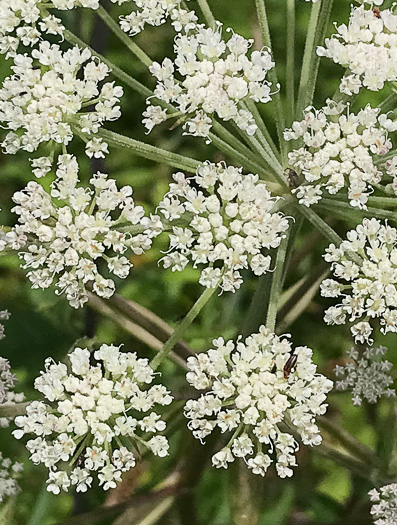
[367, 264]
[229, 222]
[7, 380]
[67, 232]
[257, 389]
[384, 509]
[215, 77]
[97, 418]
[367, 376]
[4, 316]
[7, 394]
[339, 151]
[367, 46]
[45, 99]
[9, 473]
[155, 13]
[22, 22]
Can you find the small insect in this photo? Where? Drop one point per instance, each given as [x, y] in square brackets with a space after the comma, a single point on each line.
[289, 365]
[292, 177]
[376, 12]
[81, 458]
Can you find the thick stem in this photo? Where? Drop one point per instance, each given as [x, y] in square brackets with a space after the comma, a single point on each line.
[290, 63]
[349, 442]
[277, 284]
[146, 319]
[267, 139]
[306, 82]
[132, 328]
[127, 41]
[345, 211]
[178, 333]
[234, 142]
[206, 10]
[149, 152]
[266, 40]
[239, 157]
[319, 224]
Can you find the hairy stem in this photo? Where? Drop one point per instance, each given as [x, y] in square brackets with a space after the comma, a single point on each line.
[187, 321]
[277, 284]
[206, 10]
[290, 63]
[123, 37]
[149, 152]
[308, 57]
[266, 40]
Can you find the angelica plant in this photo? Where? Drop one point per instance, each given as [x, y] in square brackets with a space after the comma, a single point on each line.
[232, 166]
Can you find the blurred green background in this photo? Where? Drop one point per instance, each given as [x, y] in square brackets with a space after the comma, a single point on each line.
[42, 324]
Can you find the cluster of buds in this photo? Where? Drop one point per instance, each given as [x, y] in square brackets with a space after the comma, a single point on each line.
[367, 376]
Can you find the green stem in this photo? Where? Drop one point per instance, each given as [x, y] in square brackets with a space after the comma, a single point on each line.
[266, 40]
[317, 24]
[239, 157]
[232, 140]
[319, 224]
[344, 210]
[251, 106]
[277, 284]
[349, 442]
[187, 321]
[117, 72]
[272, 162]
[290, 63]
[388, 103]
[206, 10]
[149, 152]
[123, 37]
[347, 461]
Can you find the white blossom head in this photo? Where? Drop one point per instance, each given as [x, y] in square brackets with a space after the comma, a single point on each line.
[9, 474]
[97, 416]
[256, 390]
[384, 508]
[65, 233]
[209, 78]
[225, 223]
[25, 22]
[338, 152]
[156, 13]
[7, 384]
[46, 100]
[4, 316]
[367, 47]
[365, 268]
[366, 375]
